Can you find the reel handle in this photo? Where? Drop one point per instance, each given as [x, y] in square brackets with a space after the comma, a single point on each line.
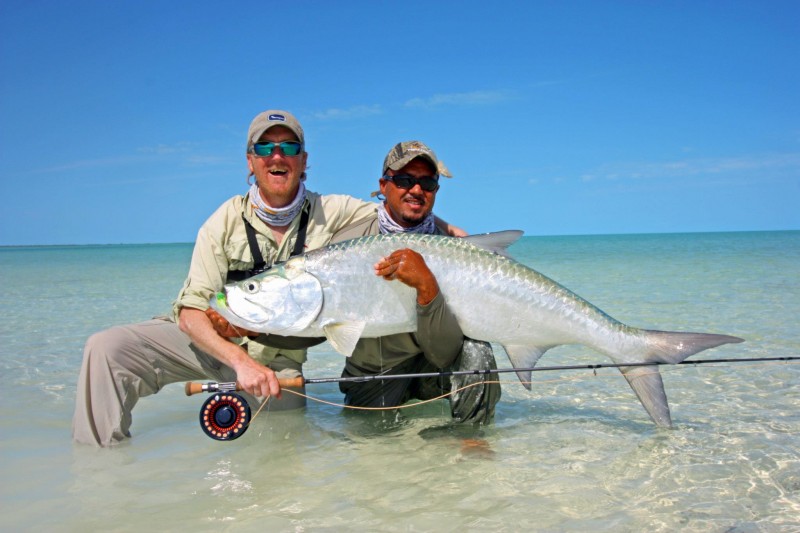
[193, 387]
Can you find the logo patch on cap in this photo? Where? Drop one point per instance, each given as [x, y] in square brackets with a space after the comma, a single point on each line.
[279, 118]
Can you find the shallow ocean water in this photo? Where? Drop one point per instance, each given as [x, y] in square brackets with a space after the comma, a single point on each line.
[578, 452]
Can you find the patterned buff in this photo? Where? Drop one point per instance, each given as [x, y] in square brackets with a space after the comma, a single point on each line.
[277, 216]
[387, 225]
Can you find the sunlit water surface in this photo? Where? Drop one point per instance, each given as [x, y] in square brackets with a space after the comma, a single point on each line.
[577, 453]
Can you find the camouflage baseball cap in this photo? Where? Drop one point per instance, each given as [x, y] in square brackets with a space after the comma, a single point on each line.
[402, 154]
[268, 119]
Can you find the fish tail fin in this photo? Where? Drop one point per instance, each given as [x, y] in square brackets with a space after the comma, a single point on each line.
[666, 347]
[675, 346]
[649, 388]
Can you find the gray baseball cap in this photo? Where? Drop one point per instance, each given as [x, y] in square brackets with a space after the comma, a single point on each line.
[402, 153]
[270, 118]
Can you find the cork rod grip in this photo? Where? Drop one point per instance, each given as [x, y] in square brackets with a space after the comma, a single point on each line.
[192, 387]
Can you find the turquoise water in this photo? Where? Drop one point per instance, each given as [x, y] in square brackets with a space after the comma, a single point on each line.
[576, 453]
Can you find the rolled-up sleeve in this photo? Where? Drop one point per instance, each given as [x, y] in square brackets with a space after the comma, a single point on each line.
[210, 259]
[438, 332]
[206, 273]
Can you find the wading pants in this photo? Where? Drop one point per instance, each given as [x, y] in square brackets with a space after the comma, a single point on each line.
[473, 402]
[125, 363]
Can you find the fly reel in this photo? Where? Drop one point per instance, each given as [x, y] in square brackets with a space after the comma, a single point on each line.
[225, 416]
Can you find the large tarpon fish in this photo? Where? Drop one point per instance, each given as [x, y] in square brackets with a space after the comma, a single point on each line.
[334, 292]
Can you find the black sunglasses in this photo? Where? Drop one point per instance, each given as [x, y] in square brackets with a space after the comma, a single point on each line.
[405, 181]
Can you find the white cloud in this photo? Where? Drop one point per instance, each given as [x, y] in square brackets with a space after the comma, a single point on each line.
[162, 149]
[470, 98]
[86, 163]
[463, 99]
[766, 163]
[358, 111]
[183, 153]
[210, 159]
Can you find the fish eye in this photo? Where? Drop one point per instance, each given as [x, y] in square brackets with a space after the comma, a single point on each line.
[251, 286]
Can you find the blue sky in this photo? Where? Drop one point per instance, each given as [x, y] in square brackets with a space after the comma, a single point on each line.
[125, 122]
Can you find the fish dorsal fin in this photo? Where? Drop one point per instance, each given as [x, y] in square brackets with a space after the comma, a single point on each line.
[343, 336]
[524, 357]
[496, 242]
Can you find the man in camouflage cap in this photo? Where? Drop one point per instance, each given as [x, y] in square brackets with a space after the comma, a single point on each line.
[404, 152]
[409, 183]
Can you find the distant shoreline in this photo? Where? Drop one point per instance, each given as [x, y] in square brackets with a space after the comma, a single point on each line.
[6, 246]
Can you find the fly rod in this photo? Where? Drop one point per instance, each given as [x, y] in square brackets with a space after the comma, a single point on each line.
[225, 415]
[195, 388]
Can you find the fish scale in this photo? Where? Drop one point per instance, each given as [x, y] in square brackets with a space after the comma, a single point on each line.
[334, 292]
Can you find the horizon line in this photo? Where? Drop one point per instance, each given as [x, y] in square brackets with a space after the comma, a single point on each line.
[153, 243]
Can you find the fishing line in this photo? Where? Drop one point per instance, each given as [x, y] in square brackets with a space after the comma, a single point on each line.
[265, 403]
[232, 416]
[404, 406]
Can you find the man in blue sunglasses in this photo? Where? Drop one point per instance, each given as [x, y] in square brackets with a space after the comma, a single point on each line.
[409, 183]
[277, 218]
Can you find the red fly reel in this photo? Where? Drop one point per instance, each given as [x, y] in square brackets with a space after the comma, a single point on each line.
[225, 416]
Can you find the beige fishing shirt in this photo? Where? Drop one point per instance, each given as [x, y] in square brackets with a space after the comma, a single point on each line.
[438, 336]
[222, 245]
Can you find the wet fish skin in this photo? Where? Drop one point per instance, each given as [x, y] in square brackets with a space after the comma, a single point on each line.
[334, 292]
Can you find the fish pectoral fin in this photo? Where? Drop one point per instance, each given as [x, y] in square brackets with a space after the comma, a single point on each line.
[343, 336]
[524, 357]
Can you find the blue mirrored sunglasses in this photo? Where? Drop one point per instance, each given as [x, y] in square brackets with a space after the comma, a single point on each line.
[288, 148]
[406, 181]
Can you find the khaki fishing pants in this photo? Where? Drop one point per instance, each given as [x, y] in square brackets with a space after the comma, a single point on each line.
[125, 363]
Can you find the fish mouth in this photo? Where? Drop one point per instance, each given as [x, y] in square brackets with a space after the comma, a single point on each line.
[219, 302]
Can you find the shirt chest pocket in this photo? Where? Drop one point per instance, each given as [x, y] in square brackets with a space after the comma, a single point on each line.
[240, 257]
[238, 254]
